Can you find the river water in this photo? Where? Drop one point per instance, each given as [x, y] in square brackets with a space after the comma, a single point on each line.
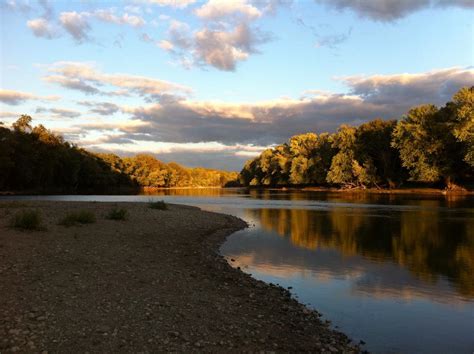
[395, 271]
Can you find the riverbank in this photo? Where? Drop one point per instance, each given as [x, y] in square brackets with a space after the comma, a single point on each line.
[153, 282]
[395, 191]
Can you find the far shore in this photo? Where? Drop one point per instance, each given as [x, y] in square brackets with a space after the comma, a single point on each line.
[151, 190]
[153, 282]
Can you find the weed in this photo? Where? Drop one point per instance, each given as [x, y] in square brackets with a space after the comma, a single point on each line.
[27, 220]
[117, 214]
[160, 205]
[80, 217]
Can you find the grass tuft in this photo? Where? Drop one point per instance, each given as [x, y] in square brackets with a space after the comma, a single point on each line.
[117, 214]
[27, 220]
[160, 205]
[80, 217]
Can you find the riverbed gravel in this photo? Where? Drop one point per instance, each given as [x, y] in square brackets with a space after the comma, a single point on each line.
[151, 283]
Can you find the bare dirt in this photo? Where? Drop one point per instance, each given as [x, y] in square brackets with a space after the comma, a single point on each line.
[151, 283]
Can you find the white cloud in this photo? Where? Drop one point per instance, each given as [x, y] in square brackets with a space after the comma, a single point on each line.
[166, 45]
[108, 15]
[42, 28]
[76, 25]
[224, 49]
[87, 78]
[171, 3]
[216, 10]
[13, 97]
[219, 48]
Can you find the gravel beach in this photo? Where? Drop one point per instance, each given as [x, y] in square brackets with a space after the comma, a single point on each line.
[151, 283]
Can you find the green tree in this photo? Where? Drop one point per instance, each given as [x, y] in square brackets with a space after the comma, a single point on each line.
[341, 171]
[462, 109]
[428, 147]
[373, 150]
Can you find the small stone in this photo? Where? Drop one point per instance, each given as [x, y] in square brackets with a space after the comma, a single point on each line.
[173, 333]
[103, 328]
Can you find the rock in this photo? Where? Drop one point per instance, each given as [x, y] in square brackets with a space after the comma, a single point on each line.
[103, 328]
[173, 333]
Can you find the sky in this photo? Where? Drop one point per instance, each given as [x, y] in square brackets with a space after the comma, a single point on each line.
[213, 83]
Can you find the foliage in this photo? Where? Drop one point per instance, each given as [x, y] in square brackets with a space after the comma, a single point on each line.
[37, 160]
[429, 144]
[160, 205]
[117, 214]
[80, 217]
[27, 220]
[462, 110]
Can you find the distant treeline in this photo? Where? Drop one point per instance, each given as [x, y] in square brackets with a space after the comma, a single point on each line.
[427, 145]
[33, 159]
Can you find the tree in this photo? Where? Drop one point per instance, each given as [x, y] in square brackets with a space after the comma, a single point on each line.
[462, 109]
[341, 166]
[23, 124]
[373, 149]
[433, 143]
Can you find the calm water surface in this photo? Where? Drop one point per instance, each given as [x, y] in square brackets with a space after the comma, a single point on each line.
[394, 271]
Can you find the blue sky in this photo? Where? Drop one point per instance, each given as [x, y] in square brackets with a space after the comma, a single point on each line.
[214, 82]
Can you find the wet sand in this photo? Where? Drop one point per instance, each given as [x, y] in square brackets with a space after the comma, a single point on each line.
[153, 282]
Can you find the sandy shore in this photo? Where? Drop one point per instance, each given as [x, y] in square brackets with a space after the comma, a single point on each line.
[153, 282]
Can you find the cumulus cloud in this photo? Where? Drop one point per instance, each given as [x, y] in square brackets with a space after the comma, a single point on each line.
[12, 97]
[76, 24]
[86, 78]
[253, 123]
[42, 28]
[264, 123]
[391, 10]
[217, 10]
[227, 36]
[165, 45]
[221, 48]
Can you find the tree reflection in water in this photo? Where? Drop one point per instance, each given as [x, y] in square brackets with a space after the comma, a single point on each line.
[428, 240]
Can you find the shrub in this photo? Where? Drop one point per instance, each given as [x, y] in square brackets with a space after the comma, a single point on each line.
[117, 214]
[160, 205]
[80, 217]
[27, 220]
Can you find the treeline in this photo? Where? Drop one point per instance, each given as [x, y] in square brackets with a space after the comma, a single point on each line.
[34, 159]
[147, 171]
[427, 145]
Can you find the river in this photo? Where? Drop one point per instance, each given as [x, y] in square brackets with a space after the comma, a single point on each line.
[395, 271]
